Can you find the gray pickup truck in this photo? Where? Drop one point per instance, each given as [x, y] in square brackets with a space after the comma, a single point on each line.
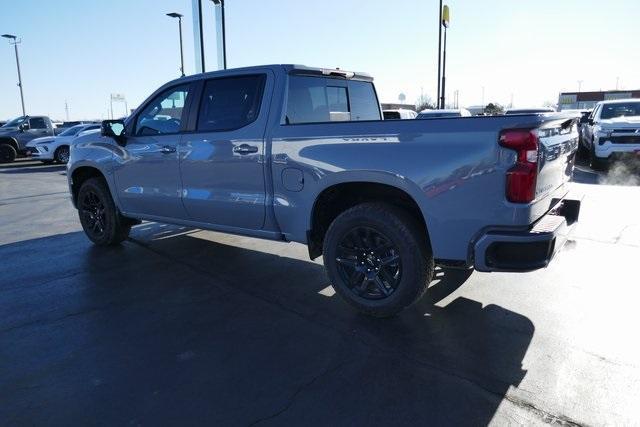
[15, 134]
[293, 153]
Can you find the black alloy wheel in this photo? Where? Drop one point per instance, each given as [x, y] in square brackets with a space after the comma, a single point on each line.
[369, 263]
[92, 210]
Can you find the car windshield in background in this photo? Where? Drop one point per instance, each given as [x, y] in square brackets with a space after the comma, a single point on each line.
[15, 122]
[530, 111]
[72, 131]
[436, 115]
[610, 111]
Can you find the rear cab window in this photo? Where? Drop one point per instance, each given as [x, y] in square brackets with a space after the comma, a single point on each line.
[321, 100]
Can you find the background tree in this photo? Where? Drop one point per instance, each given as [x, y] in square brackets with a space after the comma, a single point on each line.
[493, 109]
[425, 102]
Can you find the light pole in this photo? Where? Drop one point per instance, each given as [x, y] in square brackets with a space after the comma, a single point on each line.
[177, 15]
[439, 53]
[224, 39]
[445, 24]
[15, 43]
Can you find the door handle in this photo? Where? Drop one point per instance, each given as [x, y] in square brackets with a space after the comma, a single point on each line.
[166, 149]
[245, 149]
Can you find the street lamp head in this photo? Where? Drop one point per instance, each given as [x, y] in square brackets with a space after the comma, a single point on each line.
[9, 36]
[174, 15]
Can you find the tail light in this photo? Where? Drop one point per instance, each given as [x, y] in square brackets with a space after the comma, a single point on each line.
[521, 178]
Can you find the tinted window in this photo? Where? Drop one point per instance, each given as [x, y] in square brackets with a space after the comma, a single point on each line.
[391, 115]
[163, 115]
[37, 123]
[364, 102]
[230, 103]
[316, 100]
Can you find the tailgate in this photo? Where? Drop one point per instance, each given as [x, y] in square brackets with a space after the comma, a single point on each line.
[558, 144]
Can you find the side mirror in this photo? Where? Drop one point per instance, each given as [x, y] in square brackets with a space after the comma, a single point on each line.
[113, 129]
[590, 121]
[23, 126]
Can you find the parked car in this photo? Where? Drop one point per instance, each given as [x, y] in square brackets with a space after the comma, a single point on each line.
[56, 148]
[439, 114]
[16, 133]
[298, 154]
[529, 110]
[612, 131]
[399, 114]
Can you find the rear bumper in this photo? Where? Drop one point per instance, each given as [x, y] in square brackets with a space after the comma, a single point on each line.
[531, 249]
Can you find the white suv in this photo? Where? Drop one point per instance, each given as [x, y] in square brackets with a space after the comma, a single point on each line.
[56, 148]
[612, 131]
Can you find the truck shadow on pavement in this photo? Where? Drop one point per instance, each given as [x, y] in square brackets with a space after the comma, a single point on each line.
[174, 328]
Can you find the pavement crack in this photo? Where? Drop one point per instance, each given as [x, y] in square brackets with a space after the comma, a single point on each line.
[545, 416]
[301, 388]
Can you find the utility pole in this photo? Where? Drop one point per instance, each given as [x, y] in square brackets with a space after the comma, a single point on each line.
[617, 78]
[221, 31]
[66, 109]
[579, 85]
[15, 43]
[439, 53]
[179, 16]
[483, 97]
[445, 24]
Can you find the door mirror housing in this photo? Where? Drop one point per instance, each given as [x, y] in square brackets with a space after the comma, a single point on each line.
[591, 121]
[113, 129]
[23, 126]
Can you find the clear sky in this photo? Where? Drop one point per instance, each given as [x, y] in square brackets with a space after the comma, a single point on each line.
[83, 50]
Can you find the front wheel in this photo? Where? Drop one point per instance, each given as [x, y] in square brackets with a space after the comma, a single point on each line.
[62, 155]
[7, 153]
[378, 258]
[595, 162]
[99, 217]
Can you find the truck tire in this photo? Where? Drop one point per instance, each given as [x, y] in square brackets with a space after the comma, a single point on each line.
[62, 154]
[7, 153]
[100, 219]
[596, 163]
[378, 258]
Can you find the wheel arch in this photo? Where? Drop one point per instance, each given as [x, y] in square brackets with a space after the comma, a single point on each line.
[339, 196]
[79, 175]
[10, 141]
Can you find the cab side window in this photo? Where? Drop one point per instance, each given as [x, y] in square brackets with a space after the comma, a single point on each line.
[319, 100]
[37, 123]
[230, 103]
[163, 115]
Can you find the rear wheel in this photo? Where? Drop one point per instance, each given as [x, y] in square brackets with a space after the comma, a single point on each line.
[99, 217]
[62, 155]
[377, 258]
[7, 153]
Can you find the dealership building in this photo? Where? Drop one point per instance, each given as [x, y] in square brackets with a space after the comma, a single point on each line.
[587, 100]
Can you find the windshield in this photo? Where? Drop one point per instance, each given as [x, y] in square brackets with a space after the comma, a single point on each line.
[15, 122]
[609, 111]
[72, 130]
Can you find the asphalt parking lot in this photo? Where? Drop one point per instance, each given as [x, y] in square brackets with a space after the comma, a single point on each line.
[181, 326]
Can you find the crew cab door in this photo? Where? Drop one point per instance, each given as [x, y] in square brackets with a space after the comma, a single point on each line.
[222, 160]
[147, 172]
[37, 127]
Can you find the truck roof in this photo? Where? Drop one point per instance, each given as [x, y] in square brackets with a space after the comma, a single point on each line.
[289, 69]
